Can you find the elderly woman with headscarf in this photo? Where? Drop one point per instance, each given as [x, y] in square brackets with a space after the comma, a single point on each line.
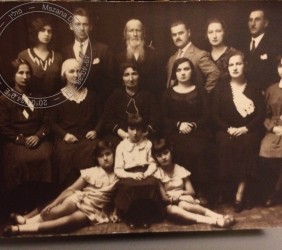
[75, 123]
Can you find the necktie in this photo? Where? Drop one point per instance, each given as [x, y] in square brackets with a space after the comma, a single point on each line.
[81, 51]
[253, 46]
[180, 54]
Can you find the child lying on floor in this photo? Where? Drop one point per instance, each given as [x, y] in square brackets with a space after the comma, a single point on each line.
[89, 200]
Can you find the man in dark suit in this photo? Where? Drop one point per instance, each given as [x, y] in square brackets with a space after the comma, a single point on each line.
[261, 50]
[100, 77]
[207, 73]
[144, 57]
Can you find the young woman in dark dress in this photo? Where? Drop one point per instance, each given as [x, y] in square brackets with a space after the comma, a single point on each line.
[185, 112]
[238, 114]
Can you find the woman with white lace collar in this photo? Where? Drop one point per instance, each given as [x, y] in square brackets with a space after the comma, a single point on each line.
[75, 123]
[237, 113]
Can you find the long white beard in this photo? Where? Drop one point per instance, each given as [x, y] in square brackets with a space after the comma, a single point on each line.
[135, 46]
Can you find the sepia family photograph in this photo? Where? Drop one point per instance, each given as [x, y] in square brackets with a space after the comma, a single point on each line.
[125, 117]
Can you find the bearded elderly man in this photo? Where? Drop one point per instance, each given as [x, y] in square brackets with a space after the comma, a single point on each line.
[144, 57]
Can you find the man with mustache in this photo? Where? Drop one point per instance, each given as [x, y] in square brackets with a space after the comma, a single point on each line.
[260, 50]
[207, 74]
[144, 57]
[100, 77]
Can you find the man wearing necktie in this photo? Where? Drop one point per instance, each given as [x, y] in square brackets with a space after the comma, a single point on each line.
[207, 73]
[100, 77]
[261, 50]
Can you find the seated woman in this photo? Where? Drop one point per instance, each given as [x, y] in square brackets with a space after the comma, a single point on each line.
[75, 124]
[271, 145]
[137, 192]
[185, 112]
[45, 62]
[177, 190]
[220, 52]
[130, 98]
[238, 114]
[24, 129]
[89, 200]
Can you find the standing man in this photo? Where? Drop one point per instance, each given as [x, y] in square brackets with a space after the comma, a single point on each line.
[144, 57]
[261, 50]
[207, 74]
[100, 77]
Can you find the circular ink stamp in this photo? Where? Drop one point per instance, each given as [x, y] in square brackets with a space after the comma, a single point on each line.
[56, 11]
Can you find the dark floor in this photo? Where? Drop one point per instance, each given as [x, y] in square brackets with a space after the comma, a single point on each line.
[256, 218]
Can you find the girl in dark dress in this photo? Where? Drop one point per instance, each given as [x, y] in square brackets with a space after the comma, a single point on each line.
[75, 123]
[238, 113]
[45, 62]
[185, 112]
[24, 129]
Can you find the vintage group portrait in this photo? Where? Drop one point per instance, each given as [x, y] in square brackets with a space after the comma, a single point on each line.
[125, 117]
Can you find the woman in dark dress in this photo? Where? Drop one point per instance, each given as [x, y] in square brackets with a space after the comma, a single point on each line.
[220, 52]
[130, 99]
[75, 123]
[24, 129]
[185, 112]
[238, 114]
[45, 62]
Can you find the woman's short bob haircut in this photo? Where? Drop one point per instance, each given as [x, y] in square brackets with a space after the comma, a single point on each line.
[102, 145]
[159, 146]
[67, 64]
[15, 65]
[177, 63]
[36, 25]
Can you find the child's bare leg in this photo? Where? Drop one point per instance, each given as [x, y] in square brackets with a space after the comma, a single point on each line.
[189, 216]
[198, 209]
[240, 191]
[69, 222]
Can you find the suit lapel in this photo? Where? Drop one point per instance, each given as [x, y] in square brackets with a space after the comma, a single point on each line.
[170, 66]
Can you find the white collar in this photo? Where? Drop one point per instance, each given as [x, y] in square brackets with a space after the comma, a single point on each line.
[85, 43]
[129, 146]
[185, 48]
[257, 40]
[74, 95]
[280, 84]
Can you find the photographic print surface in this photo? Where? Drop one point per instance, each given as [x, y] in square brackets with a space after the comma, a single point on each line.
[140, 117]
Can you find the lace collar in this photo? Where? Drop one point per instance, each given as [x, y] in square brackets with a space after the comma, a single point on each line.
[72, 94]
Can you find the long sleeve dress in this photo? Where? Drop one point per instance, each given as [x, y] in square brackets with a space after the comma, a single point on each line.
[46, 74]
[237, 156]
[190, 150]
[20, 163]
[271, 145]
[76, 119]
[120, 104]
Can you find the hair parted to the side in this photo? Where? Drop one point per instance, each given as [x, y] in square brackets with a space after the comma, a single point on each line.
[79, 11]
[179, 22]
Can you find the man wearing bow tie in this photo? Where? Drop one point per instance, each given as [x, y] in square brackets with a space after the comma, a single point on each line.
[261, 50]
[207, 73]
[100, 77]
